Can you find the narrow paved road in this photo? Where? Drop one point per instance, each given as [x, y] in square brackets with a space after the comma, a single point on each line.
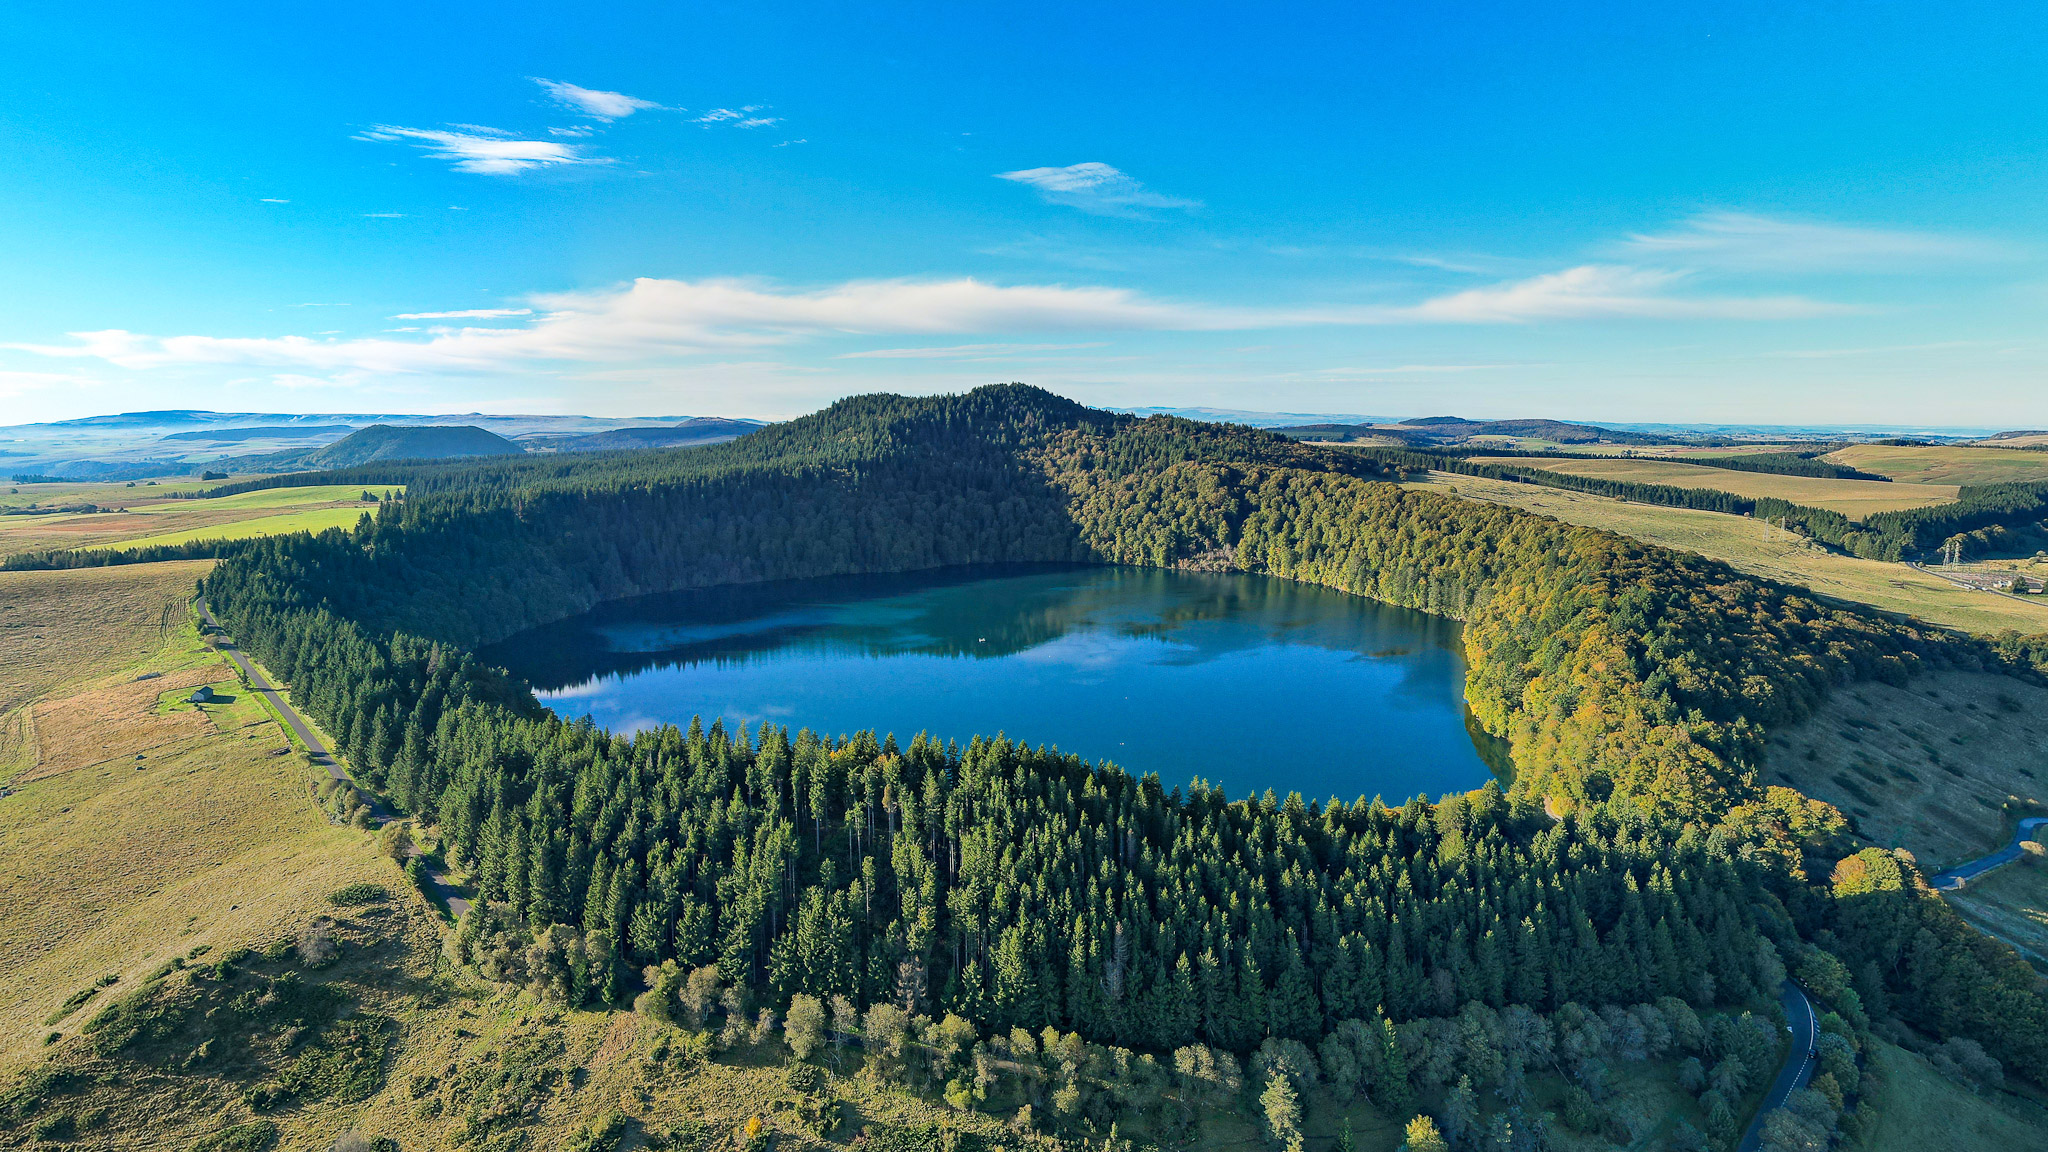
[1799, 1062]
[1961, 874]
[315, 747]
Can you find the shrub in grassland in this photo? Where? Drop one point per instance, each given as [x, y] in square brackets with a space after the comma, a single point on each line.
[354, 895]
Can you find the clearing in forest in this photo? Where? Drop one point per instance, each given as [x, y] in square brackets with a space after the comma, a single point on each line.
[1940, 766]
[1945, 464]
[1773, 553]
[1852, 498]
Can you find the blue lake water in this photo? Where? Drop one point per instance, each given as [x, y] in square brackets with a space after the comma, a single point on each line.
[1244, 681]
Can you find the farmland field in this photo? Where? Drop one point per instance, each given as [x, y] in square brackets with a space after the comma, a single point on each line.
[1852, 498]
[1742, 542]
[315, 520]
[142, 521]
[1945, 464]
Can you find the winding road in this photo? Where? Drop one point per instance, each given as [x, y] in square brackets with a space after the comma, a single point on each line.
[1799, 1062]
[1953, 879]
[316, 748]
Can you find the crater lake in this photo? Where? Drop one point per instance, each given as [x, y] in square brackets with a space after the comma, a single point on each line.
[1247, 682]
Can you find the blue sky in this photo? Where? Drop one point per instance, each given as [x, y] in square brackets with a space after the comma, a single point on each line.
[1760, 213]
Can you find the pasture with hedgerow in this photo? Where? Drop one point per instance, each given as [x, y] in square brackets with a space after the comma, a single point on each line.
[1085, 578]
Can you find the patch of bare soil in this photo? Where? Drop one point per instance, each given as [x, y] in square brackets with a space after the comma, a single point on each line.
[118, 722]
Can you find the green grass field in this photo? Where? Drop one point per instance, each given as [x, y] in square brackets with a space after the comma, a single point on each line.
[300, 497]
[1852, 498]
[317, 520]
[1743, 542]
[91, 492]
[2011, 903]
[1927, 765]
[1945, 464]
[141, 521]
[1919, 1111]
[1682, 451]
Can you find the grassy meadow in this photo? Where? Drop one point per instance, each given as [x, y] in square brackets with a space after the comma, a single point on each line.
[1746, 544]
[312, 520]
[150, 518]
[1929, 766]
[59, 628]
[1919, 1110]
[1945, 464]
[2012, 904]
[1852, 498]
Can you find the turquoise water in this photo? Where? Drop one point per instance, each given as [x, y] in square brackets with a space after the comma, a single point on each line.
[1244, 681]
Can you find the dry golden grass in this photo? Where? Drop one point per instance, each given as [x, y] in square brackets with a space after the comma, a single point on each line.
[117, 722]
[1742, 542]
[58, 628]
[1852, 498]
[1683, 451]
[1926, 767]
[112, 864]
[1945, 464]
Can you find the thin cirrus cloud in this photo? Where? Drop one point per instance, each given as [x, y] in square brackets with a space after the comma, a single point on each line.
[473, 148]
[736, 117]
[961, 351]
[1604, 291]
[654, 318]
[1094, 187]
[466, 314]
[592, 102]
[1744, 241]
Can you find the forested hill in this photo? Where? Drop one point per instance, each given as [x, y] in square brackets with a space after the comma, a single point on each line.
[387, 442]
[1635, 684]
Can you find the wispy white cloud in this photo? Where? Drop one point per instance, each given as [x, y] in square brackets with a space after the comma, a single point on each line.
[960, 351]
[274, 200]
[1745, 241]
[486, 150]
[1094, 187]
[652, 318]
[1601, 292]
[592, 102]
[383, 215]
[787, 143]
[466, 314]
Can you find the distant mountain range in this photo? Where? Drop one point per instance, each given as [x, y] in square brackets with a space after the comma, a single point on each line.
[382, 442]
[133, 445]
[688, 434]
[1430, 431]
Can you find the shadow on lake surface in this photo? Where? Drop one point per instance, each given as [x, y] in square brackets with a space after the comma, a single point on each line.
[1246, 681]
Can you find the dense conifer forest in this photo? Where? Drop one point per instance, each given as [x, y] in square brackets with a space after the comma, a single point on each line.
[1634, 859]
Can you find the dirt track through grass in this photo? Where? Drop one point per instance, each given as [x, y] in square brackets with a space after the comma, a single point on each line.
[147, 826]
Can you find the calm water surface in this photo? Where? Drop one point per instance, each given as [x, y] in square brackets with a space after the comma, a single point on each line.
[1244, 681]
